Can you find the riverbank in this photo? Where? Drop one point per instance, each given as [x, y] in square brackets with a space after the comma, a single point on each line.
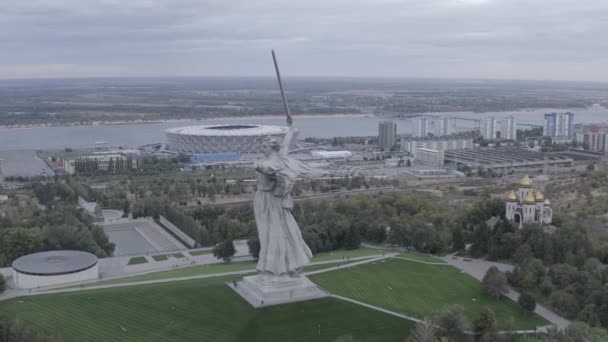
[202, 120]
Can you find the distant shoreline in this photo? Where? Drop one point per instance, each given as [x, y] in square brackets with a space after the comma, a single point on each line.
[227, 118]
[295, 116]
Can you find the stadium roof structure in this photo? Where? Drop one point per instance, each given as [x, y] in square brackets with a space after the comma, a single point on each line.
[221, 138]
[229, 130]
[54, 263]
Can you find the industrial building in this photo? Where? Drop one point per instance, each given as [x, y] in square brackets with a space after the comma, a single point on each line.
[54, 268]
[559, 126]
[221, 138]
[331, 154]
[505, 158]
[100, 160]
[429, 156]
[212, 158]
[457, 141]
[387, 134]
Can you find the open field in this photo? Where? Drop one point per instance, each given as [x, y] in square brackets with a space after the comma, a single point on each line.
[419, 290]
[197, 310]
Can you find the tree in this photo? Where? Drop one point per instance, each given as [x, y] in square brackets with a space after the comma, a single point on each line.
[451, 322]
[2, 283]
[352, 239]
[20, 241]
[224, 250]
[345, 338]
[526, 301]
[424, 331]
[485, 322]
[254, 247]
[495, 282]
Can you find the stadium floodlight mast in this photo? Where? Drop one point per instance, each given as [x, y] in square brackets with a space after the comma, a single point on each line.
[276, 68]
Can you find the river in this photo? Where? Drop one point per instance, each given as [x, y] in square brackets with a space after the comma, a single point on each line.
[131, 135]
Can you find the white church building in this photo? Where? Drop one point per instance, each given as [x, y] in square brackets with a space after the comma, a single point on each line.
[528, 205]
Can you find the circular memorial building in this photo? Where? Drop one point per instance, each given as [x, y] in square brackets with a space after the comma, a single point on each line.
[221, 138]
[54, 268]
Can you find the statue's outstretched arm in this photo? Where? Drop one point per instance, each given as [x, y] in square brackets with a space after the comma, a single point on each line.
[290, 137]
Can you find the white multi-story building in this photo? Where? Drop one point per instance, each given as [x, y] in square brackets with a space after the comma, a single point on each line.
[559, 126]
[490, 128]
[527, 205]
[387, 134]
[443, 125]
[422, 126]
[508, 128]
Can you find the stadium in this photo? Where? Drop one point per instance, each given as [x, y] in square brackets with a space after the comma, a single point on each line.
[54, 268]
[221, 138]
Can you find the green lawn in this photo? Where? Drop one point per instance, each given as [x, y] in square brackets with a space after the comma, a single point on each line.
[339, 254]
[138, 260]
[202, 270]
[419, 290]
[178, 255]
[185, 272]
[236, 266]
[421, 257]
[161, 257]
[197, 253]
[197, 310]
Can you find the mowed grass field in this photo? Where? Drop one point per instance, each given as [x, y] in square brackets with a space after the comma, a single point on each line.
[197, 310]
[419, 290]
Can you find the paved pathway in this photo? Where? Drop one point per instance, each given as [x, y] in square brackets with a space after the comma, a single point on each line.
[352, 264]
[76, 288]
[477, 269]
[423, 262]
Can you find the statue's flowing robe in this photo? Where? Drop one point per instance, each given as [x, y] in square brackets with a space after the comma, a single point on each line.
[282, 248]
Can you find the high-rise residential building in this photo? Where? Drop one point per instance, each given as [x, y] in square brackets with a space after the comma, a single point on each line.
[387, 134]
[559, 125]
[490, 128]
[508, 128]
[593, 137]
[422, 126]
[443, 126]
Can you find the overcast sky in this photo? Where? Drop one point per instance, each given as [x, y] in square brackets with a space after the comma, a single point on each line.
[503, 39]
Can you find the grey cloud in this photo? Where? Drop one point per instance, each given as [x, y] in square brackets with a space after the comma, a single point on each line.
[547, 39]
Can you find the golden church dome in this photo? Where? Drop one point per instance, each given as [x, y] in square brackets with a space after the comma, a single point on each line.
[539, 196]
[526, 181]
[547, 202]
[529, 199]
[512, 196]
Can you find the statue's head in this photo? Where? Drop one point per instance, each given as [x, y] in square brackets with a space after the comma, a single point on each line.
[271, 144]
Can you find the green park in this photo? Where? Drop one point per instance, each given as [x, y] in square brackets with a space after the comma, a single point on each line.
[206, 309]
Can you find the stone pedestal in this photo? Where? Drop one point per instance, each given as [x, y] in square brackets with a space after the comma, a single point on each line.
[265, 289]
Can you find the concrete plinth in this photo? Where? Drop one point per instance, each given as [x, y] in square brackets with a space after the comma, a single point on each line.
[266, 290]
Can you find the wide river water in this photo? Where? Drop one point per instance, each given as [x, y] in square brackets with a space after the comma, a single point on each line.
[131, 135]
